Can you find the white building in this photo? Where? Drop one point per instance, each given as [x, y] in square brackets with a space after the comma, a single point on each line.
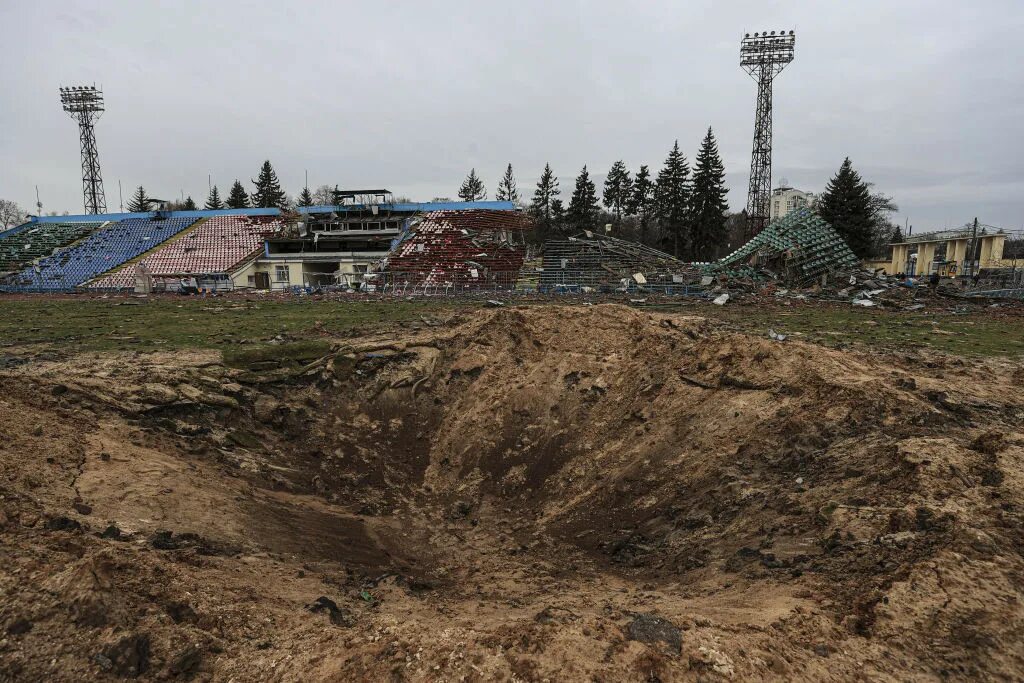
[785, 199]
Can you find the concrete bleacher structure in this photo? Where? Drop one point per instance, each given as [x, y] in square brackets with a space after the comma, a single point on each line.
[230, 247]
[214, 246]
[107, 248]
[30, 242]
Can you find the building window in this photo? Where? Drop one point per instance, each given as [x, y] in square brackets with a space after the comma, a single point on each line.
[251, 280]
[281, 274]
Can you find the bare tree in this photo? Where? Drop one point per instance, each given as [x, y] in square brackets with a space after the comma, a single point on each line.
[10, 214]
[323, 196]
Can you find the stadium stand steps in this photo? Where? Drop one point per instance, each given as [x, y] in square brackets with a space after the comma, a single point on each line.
[213, 246]
[99, 252]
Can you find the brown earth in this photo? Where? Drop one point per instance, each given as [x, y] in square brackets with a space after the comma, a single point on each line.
[546, 493]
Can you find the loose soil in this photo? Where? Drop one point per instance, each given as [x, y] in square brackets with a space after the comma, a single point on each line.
[523, 493]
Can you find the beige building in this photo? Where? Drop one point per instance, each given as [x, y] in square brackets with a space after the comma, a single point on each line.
[946, 253]
[785, 199]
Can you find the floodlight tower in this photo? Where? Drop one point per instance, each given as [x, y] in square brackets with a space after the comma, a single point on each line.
[85, 105]
[763, 56]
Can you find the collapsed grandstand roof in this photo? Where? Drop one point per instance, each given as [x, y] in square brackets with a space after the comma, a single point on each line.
[797, 248]
[474, 248]
[606, 263]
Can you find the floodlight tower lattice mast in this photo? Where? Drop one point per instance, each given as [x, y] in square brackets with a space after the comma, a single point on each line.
[85, 105]
[763, 56]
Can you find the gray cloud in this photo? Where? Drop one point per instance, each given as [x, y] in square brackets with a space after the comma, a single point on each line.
[925, 97]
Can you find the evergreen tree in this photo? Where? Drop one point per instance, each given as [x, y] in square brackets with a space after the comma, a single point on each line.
[618, 190]
[140, 202]
[472, 189]
[846, 206]
[897, 236]
[557, 215]
[268, 194]
[305, 198]
[672, 199]
[708, 203]
[238, 199]
[214, 202]
[507, 191]
[583, 209]
[543, 199]
[189, 204]
[641, 201]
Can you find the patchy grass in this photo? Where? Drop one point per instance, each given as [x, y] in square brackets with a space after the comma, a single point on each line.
[244, 328]
[168, 323]
[978, 332]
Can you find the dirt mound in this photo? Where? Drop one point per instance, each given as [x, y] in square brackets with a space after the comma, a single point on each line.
[542, 492]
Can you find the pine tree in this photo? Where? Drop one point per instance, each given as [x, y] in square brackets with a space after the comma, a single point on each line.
[305, 198]
[618, 190]
[672, 199]
[846, 206]
[897, 236]
[641, 201]
[140, 202]
[557, 215]
[189, 204]
[583, 208]
[543, 199]
[268, 194]
[213, 202]
[238, 199]
[507, 191]
[707, 203]
[472, 189]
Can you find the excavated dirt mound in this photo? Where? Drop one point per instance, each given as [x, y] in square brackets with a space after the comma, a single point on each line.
[521, 494]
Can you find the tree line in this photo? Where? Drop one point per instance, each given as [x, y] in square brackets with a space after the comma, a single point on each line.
[267, 194]
[682, 212]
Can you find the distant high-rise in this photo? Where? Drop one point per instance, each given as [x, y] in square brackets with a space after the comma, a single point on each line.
[85, 105]
[763, 55]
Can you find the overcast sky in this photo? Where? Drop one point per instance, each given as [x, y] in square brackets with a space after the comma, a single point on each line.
[926, 98]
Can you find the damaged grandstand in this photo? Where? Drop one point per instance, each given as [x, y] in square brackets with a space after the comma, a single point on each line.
[602, 263]
[796, 249]
[453, 251]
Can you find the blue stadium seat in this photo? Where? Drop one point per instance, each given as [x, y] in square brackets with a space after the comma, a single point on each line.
[98, 253]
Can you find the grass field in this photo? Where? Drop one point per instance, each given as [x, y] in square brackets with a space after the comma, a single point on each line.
[178, 323]
[980, 332]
